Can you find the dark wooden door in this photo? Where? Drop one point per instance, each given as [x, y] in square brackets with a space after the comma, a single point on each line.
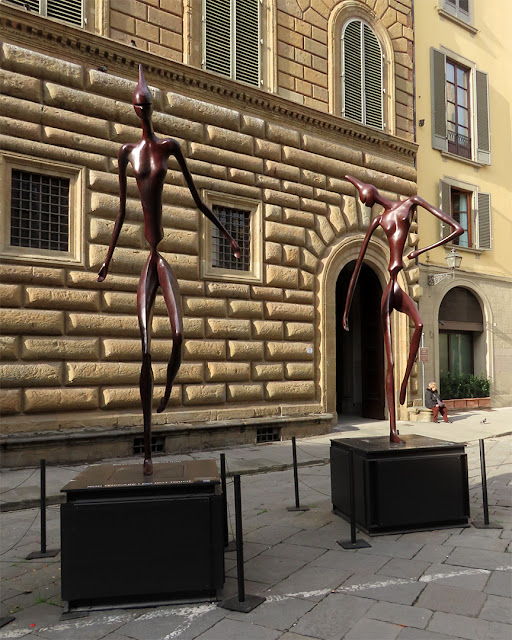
[372, 346]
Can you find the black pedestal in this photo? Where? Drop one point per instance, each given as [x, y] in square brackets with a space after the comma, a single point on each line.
[130, 539]
[421, 485]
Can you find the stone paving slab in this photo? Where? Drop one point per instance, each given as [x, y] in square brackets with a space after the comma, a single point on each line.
[481, 559]
[474, 579]
[395, 590]
[274, 615]
[235, 630]
[400, 614]
[400, 568]
[333, 617]
[459, 626]
[373, 630]
[497, 609]
[499, 584]
[441, 597]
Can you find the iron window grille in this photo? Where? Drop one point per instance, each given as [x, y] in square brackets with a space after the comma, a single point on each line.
[268, 434]
[157, 445]
[39, 211]
[238, 223]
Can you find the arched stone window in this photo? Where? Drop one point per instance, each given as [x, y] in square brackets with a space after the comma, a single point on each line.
[361, 69]
[361, 74]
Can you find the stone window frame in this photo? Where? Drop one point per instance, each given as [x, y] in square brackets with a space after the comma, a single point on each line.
[341, 16]
[255, 273]
[76, 175]
[193, 40]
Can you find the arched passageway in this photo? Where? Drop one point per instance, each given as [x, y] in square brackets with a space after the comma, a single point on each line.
[360, 352]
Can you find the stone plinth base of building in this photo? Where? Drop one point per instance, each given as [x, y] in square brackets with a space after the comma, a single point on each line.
[90, 445]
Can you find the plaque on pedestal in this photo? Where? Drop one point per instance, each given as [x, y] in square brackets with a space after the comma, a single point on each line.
[420, 485]
[131, 540]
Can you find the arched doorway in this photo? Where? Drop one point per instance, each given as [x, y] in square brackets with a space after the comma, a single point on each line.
[461, 333]
[360, 352]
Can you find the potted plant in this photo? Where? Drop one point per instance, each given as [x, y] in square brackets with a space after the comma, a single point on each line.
[465, 391]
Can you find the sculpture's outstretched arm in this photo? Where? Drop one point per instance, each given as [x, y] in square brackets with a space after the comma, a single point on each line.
[353, 280]
[457, 229]
[122, 164]
[177, 153]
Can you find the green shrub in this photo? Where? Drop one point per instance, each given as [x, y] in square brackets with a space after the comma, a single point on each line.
[464, 385]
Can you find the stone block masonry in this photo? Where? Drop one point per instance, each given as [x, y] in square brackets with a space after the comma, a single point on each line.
[71, 346]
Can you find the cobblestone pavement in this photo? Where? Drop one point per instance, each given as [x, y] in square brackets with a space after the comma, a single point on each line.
[452, 583]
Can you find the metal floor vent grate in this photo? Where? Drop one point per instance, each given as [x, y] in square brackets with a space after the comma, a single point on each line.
[157, 444]
[268, 434]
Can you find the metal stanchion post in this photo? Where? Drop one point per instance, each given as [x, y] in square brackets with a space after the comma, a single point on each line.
[353, 543]
[228, 545]
[478, 523]
[44, 553]
[297, 506]
[241, 602]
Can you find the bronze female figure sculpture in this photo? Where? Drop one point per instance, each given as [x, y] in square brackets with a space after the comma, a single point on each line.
[395, 221]
[149, 161]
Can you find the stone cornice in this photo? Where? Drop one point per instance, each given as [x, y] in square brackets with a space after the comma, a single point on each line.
[70, 43]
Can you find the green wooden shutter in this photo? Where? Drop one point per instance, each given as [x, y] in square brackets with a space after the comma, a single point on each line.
[69, 11]
[33, 5]
[482, 118]
[217, 36]
[247, 41]
[445, 204]
[352, 72]
[484, 221]
[438, 81]
[372, 78]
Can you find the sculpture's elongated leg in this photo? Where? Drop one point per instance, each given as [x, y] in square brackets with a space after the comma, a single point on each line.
[170, 290]
[406, 305]
[146, 293]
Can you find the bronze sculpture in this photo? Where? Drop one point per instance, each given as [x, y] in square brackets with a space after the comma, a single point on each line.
[395, 221]
[149, 161]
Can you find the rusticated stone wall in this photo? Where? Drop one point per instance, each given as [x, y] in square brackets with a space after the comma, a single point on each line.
[71, 348]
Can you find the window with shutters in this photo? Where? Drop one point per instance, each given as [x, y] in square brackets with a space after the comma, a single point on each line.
[232, 39]
[40, 210]
[361, 74]
[69, 11]
[242, 219]
[460, 108]
[471, 208]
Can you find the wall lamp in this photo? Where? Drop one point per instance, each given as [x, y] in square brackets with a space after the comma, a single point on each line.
[453, 260]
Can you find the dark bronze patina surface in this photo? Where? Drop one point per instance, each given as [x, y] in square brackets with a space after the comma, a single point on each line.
[149, 159]
[395, 221]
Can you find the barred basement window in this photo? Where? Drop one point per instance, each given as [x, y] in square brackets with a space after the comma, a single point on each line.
[238, 224]
[268, 434]
[69, 11]
[39, 211]
[157, 445]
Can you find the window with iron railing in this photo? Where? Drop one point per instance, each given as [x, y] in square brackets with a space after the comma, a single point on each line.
[457, 109]
[460, 108]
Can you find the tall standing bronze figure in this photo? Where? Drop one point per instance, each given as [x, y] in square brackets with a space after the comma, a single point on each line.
[395, 221]
[149, 161]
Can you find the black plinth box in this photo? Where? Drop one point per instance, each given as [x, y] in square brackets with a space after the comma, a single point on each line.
[130, 539]
[420, 485]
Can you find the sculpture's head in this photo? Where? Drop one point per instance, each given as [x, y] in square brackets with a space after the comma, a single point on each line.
[142, 97]
[367, 192]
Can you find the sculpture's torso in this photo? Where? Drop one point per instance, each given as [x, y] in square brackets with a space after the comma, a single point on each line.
[396, 222]
[149, 161]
